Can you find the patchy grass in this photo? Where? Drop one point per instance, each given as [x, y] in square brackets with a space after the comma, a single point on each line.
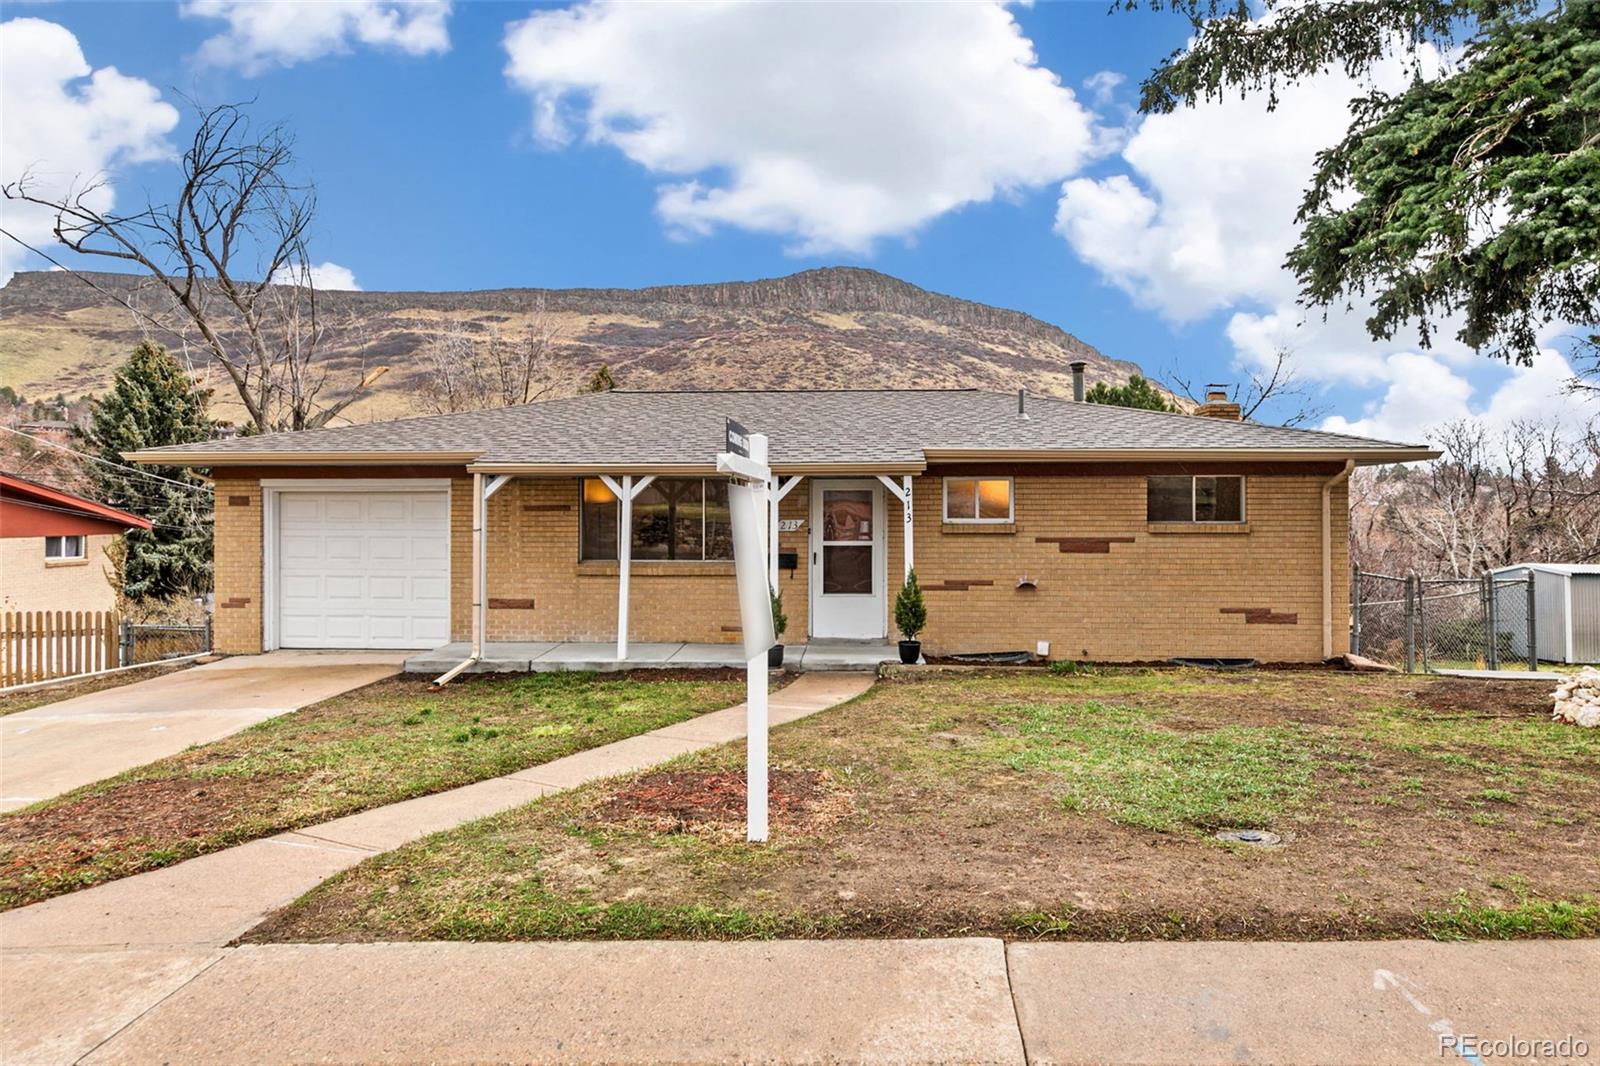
[26, 700]
[380, 744]
[1074, 804]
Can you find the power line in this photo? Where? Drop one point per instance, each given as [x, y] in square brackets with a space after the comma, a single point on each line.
[106, 462]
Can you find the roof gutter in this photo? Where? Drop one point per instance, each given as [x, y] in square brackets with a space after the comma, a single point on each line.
[174, 457]
[1327, 555]
[1360, 457]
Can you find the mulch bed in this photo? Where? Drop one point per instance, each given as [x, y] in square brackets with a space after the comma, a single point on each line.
[697, 802]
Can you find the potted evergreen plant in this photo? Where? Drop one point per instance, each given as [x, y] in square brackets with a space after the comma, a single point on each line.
[780, 622]
[911, 617]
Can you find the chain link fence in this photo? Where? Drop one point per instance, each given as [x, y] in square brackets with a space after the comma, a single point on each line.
[1430, 624]
[143, 642]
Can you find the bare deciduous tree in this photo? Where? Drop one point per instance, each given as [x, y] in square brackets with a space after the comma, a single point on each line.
[1528, 493]
[1279, 386]
[468, 370]
[229, 255]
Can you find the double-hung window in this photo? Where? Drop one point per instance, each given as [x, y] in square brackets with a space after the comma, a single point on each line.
[973, 499]
[1194, 499]
[63, 549]
[674, 518]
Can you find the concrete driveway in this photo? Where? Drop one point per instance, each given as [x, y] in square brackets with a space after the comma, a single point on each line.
[50, 749]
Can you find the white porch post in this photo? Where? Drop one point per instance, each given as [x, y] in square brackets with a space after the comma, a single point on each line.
[625, 492]
[624, 564]
[902, 492]
[480, 546]
[906, 502]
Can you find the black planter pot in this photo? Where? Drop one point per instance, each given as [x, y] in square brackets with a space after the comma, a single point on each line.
[910, 651]
[775, 657]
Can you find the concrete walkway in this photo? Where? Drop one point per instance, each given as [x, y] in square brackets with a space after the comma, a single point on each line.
[57, 747]
[78, 968]
[883, 1001]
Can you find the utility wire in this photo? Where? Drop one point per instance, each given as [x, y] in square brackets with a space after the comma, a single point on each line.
[106, 462]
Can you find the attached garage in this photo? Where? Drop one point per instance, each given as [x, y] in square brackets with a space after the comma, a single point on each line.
[358, 566]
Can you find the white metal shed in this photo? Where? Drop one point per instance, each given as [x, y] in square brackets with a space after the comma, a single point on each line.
[1566, 609]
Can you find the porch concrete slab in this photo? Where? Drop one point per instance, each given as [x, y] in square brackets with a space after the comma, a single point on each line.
[51, 749]
[61, 1005]
[708, 655]
[1370, 1002]
[206, 901]
[619, 757]
[845, 656]
[879, 1001]
[385, 828]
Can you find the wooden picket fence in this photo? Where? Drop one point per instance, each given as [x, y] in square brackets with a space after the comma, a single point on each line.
[44, 645]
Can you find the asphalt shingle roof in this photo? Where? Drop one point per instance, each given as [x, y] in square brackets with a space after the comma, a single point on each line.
[840, 427]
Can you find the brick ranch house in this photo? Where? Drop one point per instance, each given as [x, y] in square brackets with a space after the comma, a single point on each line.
[1110, 533]
[53, 548]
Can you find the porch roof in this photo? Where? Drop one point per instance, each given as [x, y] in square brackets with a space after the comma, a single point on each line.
[874, 430]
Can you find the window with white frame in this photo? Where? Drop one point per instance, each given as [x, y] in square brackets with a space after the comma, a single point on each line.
[978, 499]
[673, 519]
[63, 549]
[1194, 499]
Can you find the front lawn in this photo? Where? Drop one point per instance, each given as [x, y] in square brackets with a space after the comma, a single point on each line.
[1048, 806]
[387, 742]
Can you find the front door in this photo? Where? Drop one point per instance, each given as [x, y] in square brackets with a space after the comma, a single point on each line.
[847, 560]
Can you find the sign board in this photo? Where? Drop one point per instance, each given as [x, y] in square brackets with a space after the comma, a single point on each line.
[747, 507]
[738, 439]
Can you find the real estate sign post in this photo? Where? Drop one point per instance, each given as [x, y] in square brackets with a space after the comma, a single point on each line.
[745, 460]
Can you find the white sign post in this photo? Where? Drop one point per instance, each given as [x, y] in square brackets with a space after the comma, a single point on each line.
[746, 462]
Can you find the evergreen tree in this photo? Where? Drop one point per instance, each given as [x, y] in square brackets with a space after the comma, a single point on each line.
[1469, 192]
[154, 403]
[1136, 393]
[601, 380]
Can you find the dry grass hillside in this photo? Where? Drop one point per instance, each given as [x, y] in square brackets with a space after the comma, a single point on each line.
[828, 328]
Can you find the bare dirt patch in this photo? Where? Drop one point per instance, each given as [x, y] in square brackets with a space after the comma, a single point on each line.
[1474, 698]
[799, 801]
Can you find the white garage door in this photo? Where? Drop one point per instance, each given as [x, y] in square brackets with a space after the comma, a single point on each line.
[363, 569]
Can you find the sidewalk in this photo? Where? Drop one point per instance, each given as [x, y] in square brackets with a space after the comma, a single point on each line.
[883, 1001]
[79, 967]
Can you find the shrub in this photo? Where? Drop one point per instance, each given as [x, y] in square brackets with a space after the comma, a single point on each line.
[910, 612]
[780, 621]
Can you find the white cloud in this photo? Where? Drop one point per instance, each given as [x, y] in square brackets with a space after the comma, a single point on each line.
[832, 125]
[322, 276]
[1423, 394]
[262, 35]
[62, 121]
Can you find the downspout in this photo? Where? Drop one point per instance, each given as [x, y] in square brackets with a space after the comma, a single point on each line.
[478, 512]
[1327, 555]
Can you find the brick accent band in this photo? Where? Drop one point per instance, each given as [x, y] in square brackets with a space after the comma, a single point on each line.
[1084, 545]
[1262, 616]
[236, 601]
[238, 501]
[499, 604]
[547, 507]
[954, 585]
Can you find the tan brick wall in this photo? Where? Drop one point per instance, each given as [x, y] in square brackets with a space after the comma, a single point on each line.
[237, 619]
[29, 583]
[1149, 595]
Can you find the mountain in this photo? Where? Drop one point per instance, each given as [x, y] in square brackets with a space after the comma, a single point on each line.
[828, 328]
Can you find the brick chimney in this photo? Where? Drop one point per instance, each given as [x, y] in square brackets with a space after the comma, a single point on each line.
[1218, 405]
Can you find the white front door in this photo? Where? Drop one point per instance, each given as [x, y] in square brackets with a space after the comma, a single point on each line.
[847, 560]
[363, 569]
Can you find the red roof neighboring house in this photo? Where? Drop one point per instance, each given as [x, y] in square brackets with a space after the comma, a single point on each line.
[28, 509]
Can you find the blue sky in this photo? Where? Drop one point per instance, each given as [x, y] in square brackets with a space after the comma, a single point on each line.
[991, 153]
